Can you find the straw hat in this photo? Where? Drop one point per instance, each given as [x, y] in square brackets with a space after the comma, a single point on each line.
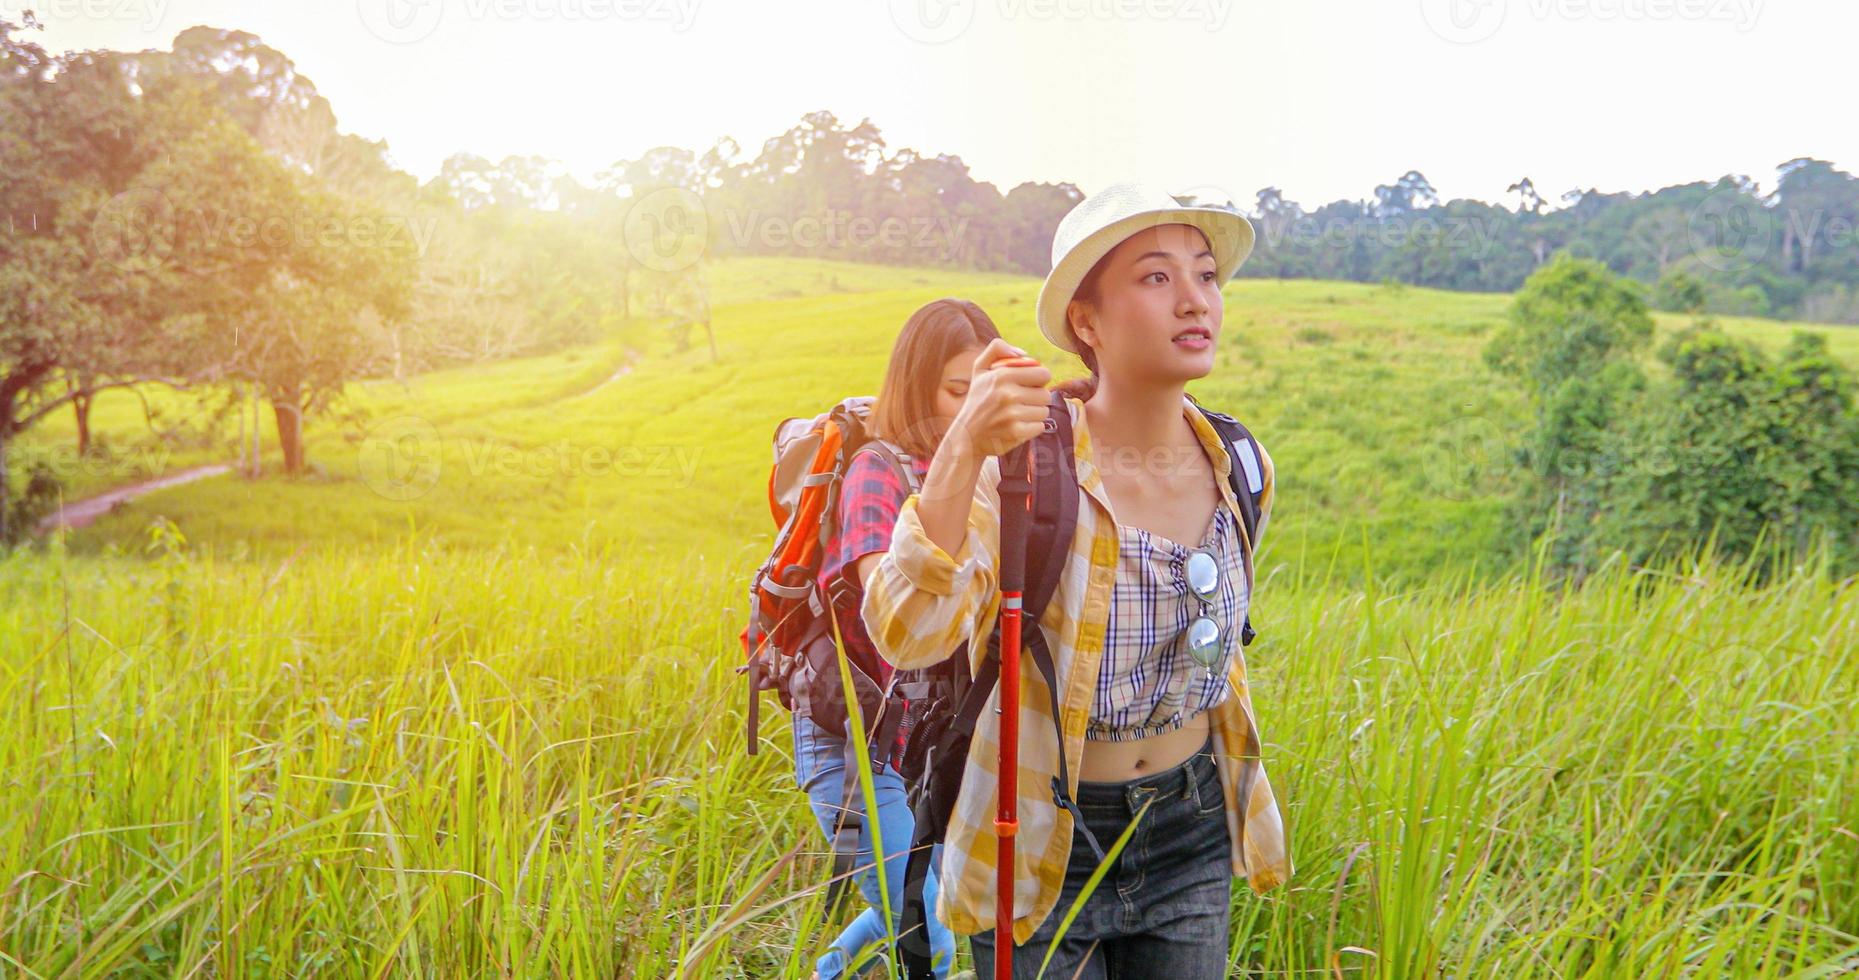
[1103, 220]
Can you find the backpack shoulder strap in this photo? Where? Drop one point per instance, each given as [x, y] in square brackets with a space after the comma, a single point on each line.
[1054, 467]
[901, 460]
[1055, 507]
[1247, 473]
[1247, 478]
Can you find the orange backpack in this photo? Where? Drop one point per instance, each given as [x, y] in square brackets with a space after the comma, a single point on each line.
[789, 642]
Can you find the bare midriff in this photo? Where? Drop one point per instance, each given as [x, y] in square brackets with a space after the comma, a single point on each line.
[1117, 762]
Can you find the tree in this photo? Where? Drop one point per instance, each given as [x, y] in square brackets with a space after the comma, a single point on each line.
[1276, 217]
[1033, 212]
[1659, 236]
[1811, 198]
[312, 321]
[1528, 200]
[87, 264]
[1570, 319]
[1736, 447]
[1410, 192]
[1681, 292]
[313, 276]
[517, 182]
[1573, 332]
[1749, 450]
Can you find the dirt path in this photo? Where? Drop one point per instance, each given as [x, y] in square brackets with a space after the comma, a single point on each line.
[624, 370]
[81, 513]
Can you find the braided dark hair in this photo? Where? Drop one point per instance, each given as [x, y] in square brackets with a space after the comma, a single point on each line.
[1087, 291]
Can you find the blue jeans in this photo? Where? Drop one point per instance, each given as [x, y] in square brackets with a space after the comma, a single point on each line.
[1163, 909]
[819, 768]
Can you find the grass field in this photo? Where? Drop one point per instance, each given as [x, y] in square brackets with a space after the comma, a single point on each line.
[480, 716]
[1390, 434]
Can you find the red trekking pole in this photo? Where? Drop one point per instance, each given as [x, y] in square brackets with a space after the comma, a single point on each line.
[1016, 496]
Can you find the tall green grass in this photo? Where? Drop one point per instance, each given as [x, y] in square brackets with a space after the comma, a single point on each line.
[364, 763]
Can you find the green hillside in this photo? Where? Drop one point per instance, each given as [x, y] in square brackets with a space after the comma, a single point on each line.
[1390, 435]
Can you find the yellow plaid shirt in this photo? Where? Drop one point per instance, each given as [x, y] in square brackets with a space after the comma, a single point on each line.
[921, 603]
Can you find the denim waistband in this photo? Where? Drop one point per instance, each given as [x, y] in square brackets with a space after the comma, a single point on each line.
[1172, 780]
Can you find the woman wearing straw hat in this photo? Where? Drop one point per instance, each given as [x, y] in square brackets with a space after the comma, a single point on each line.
[1157, 715]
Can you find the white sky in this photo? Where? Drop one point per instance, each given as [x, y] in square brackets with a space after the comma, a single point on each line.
[1324, 98]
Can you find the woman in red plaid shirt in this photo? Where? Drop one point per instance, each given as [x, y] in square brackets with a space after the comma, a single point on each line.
[924, 387]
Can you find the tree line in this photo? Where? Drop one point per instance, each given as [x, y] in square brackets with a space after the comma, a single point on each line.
[827, 189]
[195, 217]
[1723, 246]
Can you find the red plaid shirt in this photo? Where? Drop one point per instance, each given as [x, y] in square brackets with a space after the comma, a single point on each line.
[870, 497]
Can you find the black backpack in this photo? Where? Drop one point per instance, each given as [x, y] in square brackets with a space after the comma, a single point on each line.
[938, 705]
